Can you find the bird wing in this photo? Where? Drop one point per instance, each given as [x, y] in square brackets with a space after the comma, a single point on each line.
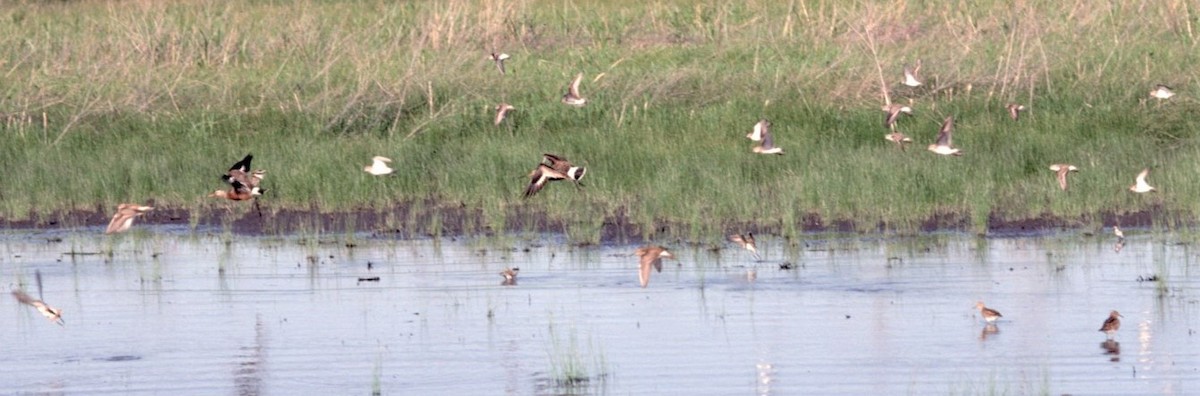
[1062, 177]
[539, 177]
[243, 165]
[893, 114]
[119, 218]
[1141, 177]
[737, 238]
[768, 141]
[574, 90]
[1112, 323]
[23, 298]
[943, 138]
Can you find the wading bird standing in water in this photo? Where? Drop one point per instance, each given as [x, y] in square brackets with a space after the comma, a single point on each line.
[1112, 324]
[989, 315]
[124, 217]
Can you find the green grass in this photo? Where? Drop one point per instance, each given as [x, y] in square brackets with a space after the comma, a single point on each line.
[106, 103]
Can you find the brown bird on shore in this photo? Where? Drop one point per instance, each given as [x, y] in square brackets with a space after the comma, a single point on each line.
[944, 146]
[1112, 324]
[1062, 170]
[651, 257]
[746, 242]
[1140, 186]
[562, 165]
[899, 138]
[124, 218]
[989, 315]
[573, 97]
[501, 112]
[499, 58]
[51, 313]
[1014, 110]
[892, 113]
[510, 276]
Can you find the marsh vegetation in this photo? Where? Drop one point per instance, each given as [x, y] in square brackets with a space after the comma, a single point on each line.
[134, 102]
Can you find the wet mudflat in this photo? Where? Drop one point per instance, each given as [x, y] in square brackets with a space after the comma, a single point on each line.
[164, 310]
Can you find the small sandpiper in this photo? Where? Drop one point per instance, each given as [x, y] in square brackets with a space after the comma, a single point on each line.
[510, 276]
[499, 59]
[1140, 185]
[124, 217]
[1117, 231]
[502, 112]
[1112, 324]
[746, 242]
[379, 166]
[944, 146]
[651, 257]
[573, 97]
[1062, 170]
[760, 128]
[892, 113]
[1161, 92]
[911, 75]
[989, 315]
[1014, 110]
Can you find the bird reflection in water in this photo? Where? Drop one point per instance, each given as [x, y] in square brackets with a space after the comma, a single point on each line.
[766, 375]
[1112, 349]
[988, 330]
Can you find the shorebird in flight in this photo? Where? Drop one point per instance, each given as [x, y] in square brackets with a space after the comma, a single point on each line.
[1161, 92]
[1062, 170]
[899, 138]
[761, 128]
[911, 75]
[540, 176]
[379, 166]
[572, 97]
[502, 112]
[499, 59]
[510, 276]
[989, 315]
[651, 257]
[767, 144]
[562, 165]
[892, 113]
[1140, 185]
[237, 192]
[51, 313]
[240, 172]
[944, 146]
[1112, 324]
[1014, 110]
[124, 217]
[746, 242]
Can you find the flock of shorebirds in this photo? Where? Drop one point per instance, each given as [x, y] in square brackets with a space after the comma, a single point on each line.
[243, 183]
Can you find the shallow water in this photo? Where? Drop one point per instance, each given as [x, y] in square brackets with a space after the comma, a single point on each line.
[170, 312]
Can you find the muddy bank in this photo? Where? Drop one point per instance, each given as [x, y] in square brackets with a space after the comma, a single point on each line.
[432, 218]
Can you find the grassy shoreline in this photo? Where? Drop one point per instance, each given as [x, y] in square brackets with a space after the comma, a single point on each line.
[116, 102]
